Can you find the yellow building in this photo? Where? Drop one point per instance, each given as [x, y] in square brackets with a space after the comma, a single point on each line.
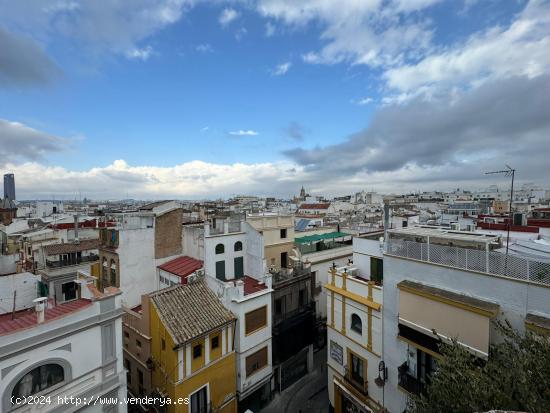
[192, 349]
[278, 234]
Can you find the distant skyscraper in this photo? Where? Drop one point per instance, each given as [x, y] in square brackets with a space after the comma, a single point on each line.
[9, 186]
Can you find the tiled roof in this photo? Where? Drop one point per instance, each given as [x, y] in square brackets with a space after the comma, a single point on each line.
[83, 245]
[189, 311]
[315, 206]
[182, 267]
[26, 319]
[252, 285]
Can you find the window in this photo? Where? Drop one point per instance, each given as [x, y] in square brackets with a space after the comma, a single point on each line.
[126, 335]
[284, 259]
[199, 402]
[255, 320]
[220, 270]
[220, 249]
[302, 298]
[140, 377]
[113, 273]
[197, 351]
[215, 342]
[357, 369]
[105, 268]
[138, 343]
[256, 361]
[238, 246]
[356, 324]
[238, 266]
[69, 291]
[278, 306]
[376, 270]
[128, 367]
[283, 233]
[163, 344]
[38, 379]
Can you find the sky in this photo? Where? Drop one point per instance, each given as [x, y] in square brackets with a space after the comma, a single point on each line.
[193, 99]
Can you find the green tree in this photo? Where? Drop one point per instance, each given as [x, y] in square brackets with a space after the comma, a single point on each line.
[516, 377]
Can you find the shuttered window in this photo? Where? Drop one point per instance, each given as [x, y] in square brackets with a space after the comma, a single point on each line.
[256, 319]
[256, 361]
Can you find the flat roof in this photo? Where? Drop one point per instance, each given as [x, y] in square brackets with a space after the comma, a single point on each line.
[442, 233]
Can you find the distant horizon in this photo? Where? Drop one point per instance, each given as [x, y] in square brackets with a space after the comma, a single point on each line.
[165, 99]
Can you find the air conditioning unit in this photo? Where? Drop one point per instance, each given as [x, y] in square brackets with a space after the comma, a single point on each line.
[455, 226]
[200, 273]
[191, 279]
[471, 227]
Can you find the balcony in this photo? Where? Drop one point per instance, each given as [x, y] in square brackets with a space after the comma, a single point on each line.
[356, 381]
[470, 259]
[286, 274]
[71, 261]
[407, 382]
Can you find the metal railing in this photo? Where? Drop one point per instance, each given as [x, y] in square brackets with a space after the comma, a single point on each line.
[297, 270]
[495, 263]
[71, 261]
[357, 383]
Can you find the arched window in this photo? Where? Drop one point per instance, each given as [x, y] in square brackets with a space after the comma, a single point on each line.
[220, 249]
[37, 380]
[356, 324]
[113, 273]
[238, 246]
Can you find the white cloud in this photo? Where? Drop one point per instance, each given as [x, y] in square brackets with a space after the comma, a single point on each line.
[108, 26]
[204, 48]
[269, 29]
[242, 132]
[520, 49]
[205, 129]
[140, 54]
[227, 16]
[191, 179]
[281, 69]
[369, 32]
[363, 101]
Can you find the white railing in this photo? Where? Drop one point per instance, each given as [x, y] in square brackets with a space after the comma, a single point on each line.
[490, 262]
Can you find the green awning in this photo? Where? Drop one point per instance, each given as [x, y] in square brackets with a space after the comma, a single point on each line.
[320, 237]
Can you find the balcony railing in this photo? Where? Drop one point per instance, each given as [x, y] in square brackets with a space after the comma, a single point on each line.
[357, 382]
[73, 261]
[490, 262]
[284, 274]
[408, 382]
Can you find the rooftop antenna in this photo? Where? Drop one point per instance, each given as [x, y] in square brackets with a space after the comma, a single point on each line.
[509, 172]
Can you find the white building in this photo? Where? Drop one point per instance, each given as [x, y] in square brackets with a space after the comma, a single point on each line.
[130, 253]
[62, 351]
[354, 331]
[235, 269]
[440, 284]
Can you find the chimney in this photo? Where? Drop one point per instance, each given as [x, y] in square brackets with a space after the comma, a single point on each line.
[40, 308]
[76, 227]
[240, 288]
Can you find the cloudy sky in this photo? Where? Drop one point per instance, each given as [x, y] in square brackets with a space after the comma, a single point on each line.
[204, 99]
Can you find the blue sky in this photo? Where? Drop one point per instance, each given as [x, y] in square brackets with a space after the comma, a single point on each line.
[264, 95]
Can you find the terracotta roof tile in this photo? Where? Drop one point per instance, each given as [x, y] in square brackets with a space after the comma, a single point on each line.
[83, 245]
[189, 311]
[27, 319]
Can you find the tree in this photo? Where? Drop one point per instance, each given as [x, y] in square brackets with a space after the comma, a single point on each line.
[515, 377]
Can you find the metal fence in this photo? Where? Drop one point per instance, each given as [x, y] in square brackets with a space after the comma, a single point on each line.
[490, 262]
